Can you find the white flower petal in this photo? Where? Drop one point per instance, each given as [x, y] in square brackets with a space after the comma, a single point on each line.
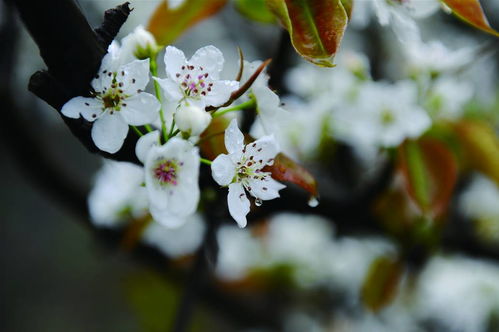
[140, 109]
[239, 204]
[145, 143]
[84, 106]
[220, 92]
[109, 132]
[223, 170]
[185, 198]
[181, 197]
[166, 218]
[134, 76]
[264, 149]
[171, 89]
[210, 59]
[265, 189]
[174, 60]
[234, 140]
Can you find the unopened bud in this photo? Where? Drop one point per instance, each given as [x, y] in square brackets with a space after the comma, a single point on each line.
[192, 120]
[140, 43]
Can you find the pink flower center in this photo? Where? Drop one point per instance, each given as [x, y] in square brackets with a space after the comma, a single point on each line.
[194, 81]
[166, 172]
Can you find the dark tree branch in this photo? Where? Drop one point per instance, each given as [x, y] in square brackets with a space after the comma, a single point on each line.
[72, 52]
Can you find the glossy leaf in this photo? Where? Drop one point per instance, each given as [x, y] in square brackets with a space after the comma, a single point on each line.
[255, 10]
[480, 145]
[168, 24]
[381, 283]
[430, 173]
[316, 27]
[287, 170]
[471, 12]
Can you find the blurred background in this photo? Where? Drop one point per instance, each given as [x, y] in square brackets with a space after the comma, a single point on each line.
[58, 276]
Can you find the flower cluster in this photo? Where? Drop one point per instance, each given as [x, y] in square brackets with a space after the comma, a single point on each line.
[169, 125]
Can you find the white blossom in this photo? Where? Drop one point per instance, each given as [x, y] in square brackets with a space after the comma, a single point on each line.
[176, 242]
[196, 82]
[435, 58]
[139, 44]
[241, 170]
[118, 101]
[117, 194]
[192, 120]
[384, 116]
[447, 97]
[480, 200]
[171, 177]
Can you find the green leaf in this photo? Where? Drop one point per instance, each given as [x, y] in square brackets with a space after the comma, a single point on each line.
[381, 283]
[168, 24]
[316, 27]
[255, 10]
[472, 13]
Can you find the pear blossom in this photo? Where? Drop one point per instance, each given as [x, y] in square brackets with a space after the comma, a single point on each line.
[447, 98]
[139, 44]
[196, 82]
[176, 242]
[384, 116]
[117, 194]
[117, 101]
[171, 177]
[241, 170]
[435, 58]
[192, 120]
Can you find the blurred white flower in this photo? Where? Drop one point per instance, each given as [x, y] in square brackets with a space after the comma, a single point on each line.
[385, 115]
[171, 177]
[176, 242]
[196, 82]
[435, 58]
[401, 14]
[238, 253]
[459, 293]
[241, 170]
[301, 241]
[447, 97]
[192, 120]
[139, 44]
[118, 101]
[481, 198]
[117, 194]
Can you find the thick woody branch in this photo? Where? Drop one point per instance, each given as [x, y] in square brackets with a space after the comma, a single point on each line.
[72, 52]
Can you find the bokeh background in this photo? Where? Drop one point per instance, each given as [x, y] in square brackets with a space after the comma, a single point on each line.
[57, 276]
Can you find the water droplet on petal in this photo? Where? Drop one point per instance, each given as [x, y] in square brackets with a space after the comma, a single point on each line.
[313, 202]
[258, 202]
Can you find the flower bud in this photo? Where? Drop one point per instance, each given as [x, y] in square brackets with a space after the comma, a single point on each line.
[140, 43]
[192, 120]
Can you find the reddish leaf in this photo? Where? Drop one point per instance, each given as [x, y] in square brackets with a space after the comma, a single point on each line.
[480, 145]
[430, 174]
[134, 231]
[212, 139]
[471, 12]
[316, 27]
[287, 170]
[381, 283]
[168, 24]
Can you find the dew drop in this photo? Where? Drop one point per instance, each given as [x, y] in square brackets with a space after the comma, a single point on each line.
[258, 202]
[313, 202]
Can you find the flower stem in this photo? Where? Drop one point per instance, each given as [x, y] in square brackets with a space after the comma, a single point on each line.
[157, 89]
[137, 131]
[205, 161]
[250, 104]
